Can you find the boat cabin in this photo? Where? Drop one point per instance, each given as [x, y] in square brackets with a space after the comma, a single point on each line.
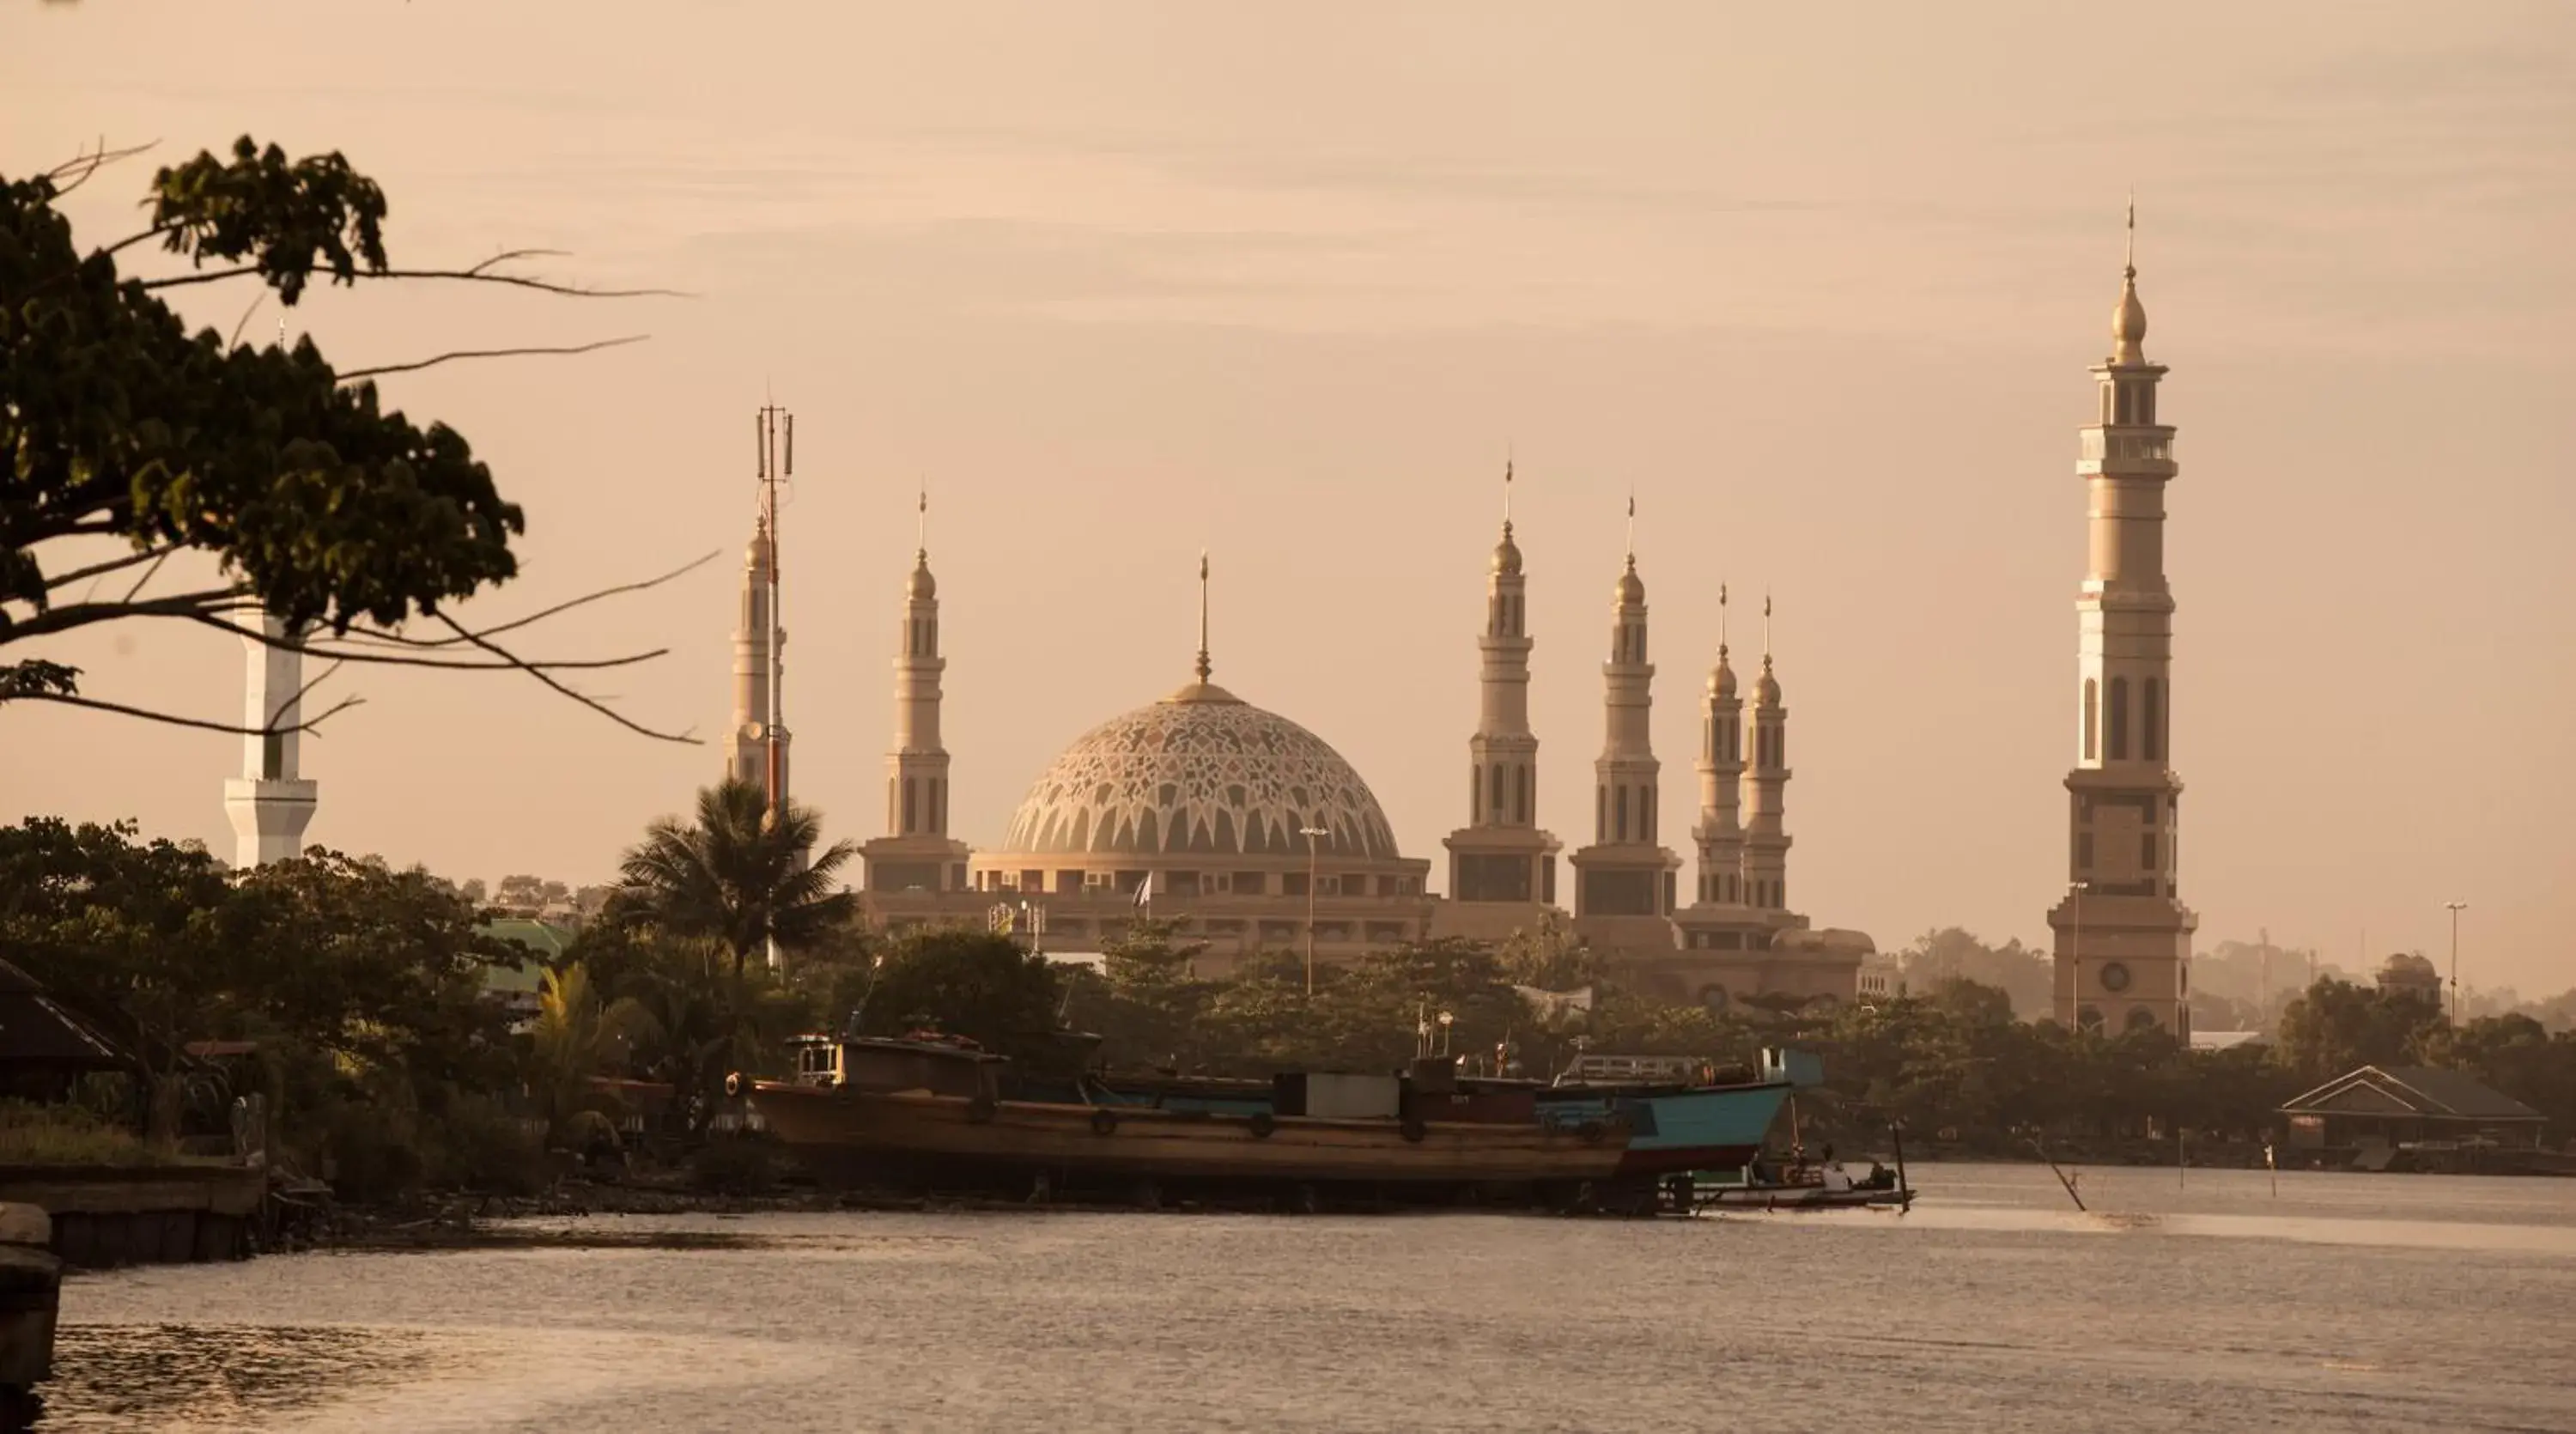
[936, 1064]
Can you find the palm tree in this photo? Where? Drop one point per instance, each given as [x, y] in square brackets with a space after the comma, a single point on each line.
[576, 1038]
[734, 874]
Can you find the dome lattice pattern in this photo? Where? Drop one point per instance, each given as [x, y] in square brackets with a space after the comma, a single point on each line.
[1203, 774]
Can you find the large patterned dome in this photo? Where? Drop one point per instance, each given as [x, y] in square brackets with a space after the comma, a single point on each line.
[1201, 772]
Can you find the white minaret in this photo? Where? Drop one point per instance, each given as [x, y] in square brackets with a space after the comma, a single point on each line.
[1766, 732]
[1500, 860]
[2122, 935]
[747, 741]
[916, 854]
[917, 768]
[1719, 835]
[1623, 895]
[269, 803]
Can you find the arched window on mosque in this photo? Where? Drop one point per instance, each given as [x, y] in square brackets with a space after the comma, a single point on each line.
[911, 801]
[1622, 807]
[2119, 723]
[1497, 785]
[2151, 721]
[2092, 718]
[1520, 794]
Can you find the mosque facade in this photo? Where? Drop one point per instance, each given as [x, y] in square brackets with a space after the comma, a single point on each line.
[1250, 834]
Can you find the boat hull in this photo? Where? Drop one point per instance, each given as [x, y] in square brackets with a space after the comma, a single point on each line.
[856, 1138]
[1676, 1131]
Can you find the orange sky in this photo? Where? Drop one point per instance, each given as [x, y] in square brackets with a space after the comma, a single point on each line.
[1123, 281]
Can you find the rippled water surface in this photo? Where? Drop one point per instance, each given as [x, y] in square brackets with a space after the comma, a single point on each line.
[2344, 1302]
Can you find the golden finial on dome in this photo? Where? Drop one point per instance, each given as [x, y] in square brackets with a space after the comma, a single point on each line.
[1204, 666]
[921, 585]
[1507, 554]
[2129, 320]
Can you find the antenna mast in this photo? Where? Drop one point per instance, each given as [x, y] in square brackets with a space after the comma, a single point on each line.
[777, 459]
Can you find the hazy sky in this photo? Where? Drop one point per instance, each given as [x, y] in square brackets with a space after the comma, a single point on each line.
[1119, 281]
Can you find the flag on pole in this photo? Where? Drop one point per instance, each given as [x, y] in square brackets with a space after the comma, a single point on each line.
[1145, 893]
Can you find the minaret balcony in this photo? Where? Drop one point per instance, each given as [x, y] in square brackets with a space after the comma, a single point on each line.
[2146, 452]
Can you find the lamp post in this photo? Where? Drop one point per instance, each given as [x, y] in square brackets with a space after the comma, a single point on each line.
[1312, 835]
[2455, 908]
[2075, 970]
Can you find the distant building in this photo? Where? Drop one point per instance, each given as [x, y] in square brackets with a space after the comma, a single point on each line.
[44, 1048]
[519, 988]
[2410, 977]
[2377, 1115]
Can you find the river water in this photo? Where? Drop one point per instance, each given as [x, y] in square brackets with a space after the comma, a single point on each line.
[2342, 1302]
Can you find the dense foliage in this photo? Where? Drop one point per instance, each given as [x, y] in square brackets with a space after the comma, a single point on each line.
[737, 876]
[116, 421]
[390, 1059]
[361, 988]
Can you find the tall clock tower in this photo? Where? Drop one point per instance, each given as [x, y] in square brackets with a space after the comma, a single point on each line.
[2122, 937]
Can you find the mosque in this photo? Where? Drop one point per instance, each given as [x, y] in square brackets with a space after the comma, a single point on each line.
[1249, 833]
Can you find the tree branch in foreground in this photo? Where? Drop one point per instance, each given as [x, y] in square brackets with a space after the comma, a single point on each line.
[309, 648]
[99, 705]
[604, 710]
[358, 373]
[476, 274]
[383, 635]
[144, 555]
[88, 163]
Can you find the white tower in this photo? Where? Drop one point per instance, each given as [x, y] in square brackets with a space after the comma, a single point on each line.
[747, 740]
[1502, 867]
[916, 853]
[270, 805]
[1766, 732]
[1720, 835]
[1623, 894]
[2122, 935]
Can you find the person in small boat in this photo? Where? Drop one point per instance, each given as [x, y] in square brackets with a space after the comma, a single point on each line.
[1838, 1181]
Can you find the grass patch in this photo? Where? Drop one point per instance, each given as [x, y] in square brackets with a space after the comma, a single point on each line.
[69, 1135]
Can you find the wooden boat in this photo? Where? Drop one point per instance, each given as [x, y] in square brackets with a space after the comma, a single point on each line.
[925, 1111]
[1682, 1115]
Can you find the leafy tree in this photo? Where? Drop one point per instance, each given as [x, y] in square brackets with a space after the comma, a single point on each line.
[318, 508]
[968, 983]
[120, 931]
[368, 982]
[1949, 953]
[1549, 957]
[737, 876]
[1971, 1002]
[2336, 1025]
[577, 1037]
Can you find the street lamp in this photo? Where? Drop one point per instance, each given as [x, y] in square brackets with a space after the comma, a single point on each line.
[2455, 908]
[2075, 970]
[1312, 835]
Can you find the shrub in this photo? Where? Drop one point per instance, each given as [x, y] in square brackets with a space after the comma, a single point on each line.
[68, 1135]
[479, 1146]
